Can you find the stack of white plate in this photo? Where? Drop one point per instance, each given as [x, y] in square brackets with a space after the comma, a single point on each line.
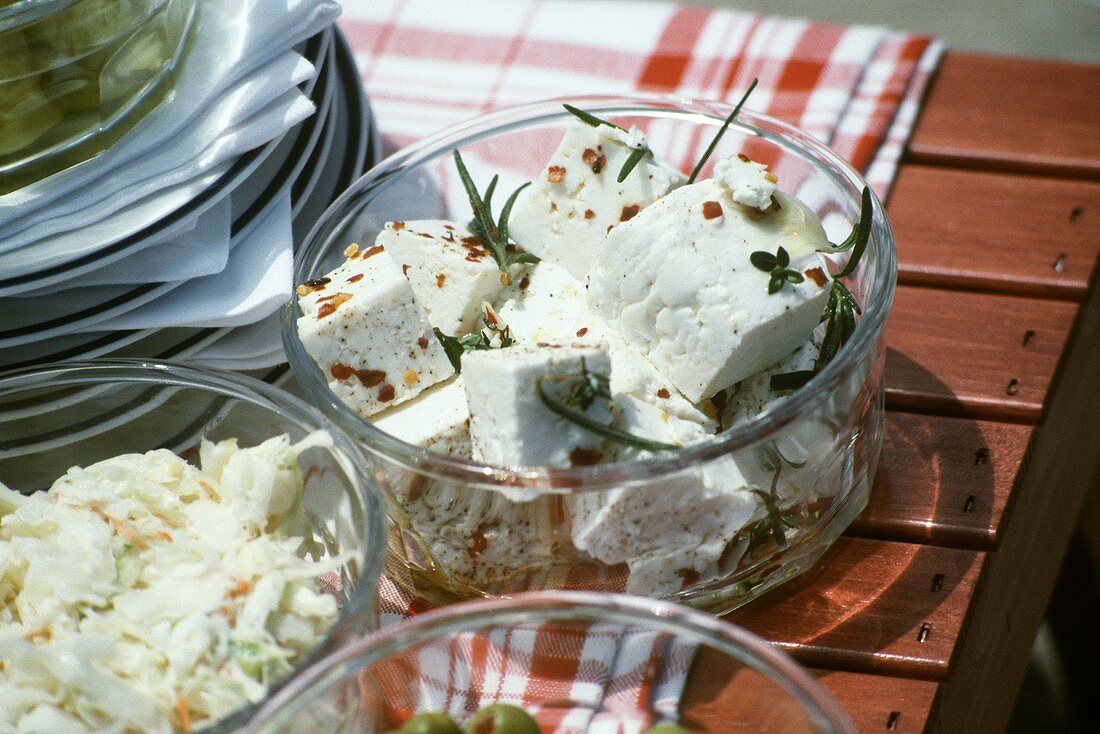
[189, 277]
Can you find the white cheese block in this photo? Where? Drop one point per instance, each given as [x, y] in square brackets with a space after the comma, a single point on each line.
[568, 210]
[677, 284]
[450, 270]
[510, 426]
[749, 397]
[549, 304]
[748, 182]
[669, 529]
[436, 419]
[368, 334]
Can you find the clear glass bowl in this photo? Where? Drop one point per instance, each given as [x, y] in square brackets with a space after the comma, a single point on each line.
[463, 530]
[602, 662]
[73, 414]
[75, 75]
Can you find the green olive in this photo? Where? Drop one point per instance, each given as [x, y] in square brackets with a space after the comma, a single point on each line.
[667, 728]
[433, 723]
[501, 718]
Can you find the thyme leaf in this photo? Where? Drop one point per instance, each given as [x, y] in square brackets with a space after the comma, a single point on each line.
[721, 131]
[636, 155]
[493, 234]
[776, 268]
[580, 393]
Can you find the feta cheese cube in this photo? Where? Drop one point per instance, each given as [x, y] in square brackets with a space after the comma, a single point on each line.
[677, 284]
[510, 426]
[568, 210]
[367, 332]
[670, 528]
[450, 270]
[748, 182]
[550, 304]
[436, 419]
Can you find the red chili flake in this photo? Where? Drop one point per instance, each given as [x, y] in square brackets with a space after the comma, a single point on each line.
[313, 285]
[491, 316]
[609, 228]
[743, 158]
[472, 241]
[555, 174]
[664, 393]
[582, 331]
[594, 159]
[440, 280]
[524, 282]
[326, 309]
[398, 226]
[589, 214]
[422, 342]
[372, 251]
[629, 212]
[449, 237]
[479, 546]
[817, 275]
[355, 278]
[386, 393]
[340, 371]
[405, 270]
[584, 457]
[424, 234]
[370, 378]
[689, 575]
[711, 210]
[416, 488]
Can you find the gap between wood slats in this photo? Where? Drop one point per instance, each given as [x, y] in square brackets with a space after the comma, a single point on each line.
[942, 481]
[995, 232]
[973, 355]
[871, 606]
[1011, 114]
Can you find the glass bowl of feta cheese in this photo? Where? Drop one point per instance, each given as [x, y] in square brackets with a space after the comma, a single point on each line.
[604, 344]
[175, 544]
[556, 661]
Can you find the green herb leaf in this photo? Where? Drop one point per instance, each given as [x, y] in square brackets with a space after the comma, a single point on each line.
[762, 260]
[635, 157]
[582, 391]
[455, 346]
[788, 381]
[721, 131]
[776, 267]
[493, 234]
[782, 257]
[588, 118]
[862, 234]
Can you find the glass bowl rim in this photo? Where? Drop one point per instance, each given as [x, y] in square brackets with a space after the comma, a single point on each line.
[162, 372]
[24, 12]
[550, 606]
[881, 248]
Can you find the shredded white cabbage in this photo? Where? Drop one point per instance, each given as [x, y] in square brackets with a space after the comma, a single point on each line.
[142, 594]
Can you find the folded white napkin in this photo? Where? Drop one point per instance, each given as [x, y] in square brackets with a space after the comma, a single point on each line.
[255, 282]
[253, 341]
[202, 250]
[234, 38]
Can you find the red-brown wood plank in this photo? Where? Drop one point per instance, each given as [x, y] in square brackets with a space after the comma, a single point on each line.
[943, 481]
[721, 695]
[1011, 114]
[998, 232]
[972, 354]
[880, 704]
[871, 606]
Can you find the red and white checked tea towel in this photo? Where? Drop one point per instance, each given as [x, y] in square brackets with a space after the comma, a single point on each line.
[428, 64]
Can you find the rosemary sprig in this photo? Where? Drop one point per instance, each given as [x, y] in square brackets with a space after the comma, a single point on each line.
[493, 234]
[775, 517]
[579, 396]
[498, 337]
[776, 267]
[636, 155]
[721, 131]
[842, 307]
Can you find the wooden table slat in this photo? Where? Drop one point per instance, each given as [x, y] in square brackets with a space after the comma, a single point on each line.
[1015, 114]
[972, 354]
[995, 232]
[864, 606]
[943, 481]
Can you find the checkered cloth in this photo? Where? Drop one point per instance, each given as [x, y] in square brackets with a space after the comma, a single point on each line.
[428, 64]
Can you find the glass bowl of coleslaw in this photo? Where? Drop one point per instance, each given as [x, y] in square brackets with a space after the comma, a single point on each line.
[569, 661]
[714, 523]
[176, 543]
